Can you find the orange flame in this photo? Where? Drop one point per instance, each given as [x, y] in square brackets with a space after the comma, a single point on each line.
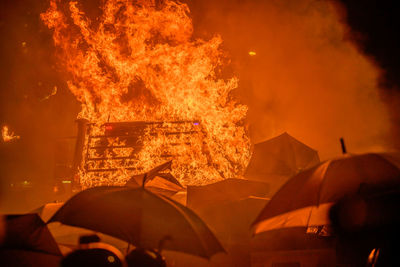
[7, 135]
[139, 62]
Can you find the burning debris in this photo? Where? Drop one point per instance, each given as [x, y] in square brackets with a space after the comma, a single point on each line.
[53, 93]
[8, 135]
[139, 63]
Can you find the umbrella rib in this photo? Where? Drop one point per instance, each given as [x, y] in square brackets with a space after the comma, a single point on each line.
[309, 216]
[324, 171]
[293, 154]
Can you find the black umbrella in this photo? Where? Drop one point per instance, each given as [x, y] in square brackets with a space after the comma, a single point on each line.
[28, 242]
[26, 258]
[140, 217]
[282, 155]
[157, 180]
[306, 198]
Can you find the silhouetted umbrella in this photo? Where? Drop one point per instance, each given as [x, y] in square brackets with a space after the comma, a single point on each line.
[29, 232]
[311, 217]
[276, 159]
[306, 198]
[26, 258]
[28, 242]
[224, 191]
[67, 236]
[140, 217]
[47, 210]
[157, 180]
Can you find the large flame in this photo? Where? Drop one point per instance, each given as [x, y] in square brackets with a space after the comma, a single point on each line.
[138, 61]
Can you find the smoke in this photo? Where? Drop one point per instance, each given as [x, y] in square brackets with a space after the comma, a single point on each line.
[35, 103]
[373, 27]
[307, 77]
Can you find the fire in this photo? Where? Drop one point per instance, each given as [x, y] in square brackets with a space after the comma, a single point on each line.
[7, 135]
[139, 61]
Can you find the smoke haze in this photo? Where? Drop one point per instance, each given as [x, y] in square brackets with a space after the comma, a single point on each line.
[307, 77]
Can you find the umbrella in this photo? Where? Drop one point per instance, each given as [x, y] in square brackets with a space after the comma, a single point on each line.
[311, 217]
[372, 214]
[24, 258]
[157, 180]
[282, 155]
[140, 217]
[291, 238]
[306, 198]
[224, 191]
[29, 232]
[28, 242]
[67, 237]
[48, 210]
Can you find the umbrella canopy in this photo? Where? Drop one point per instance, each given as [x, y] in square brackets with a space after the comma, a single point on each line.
[24, 258]
[224, 191]
[141, 218]
[28, 242]
[28, 232]
[373, 215]
[46, 211]
[282, 155]
[291, 238]
[67, 237]
[307, 196]
[311, 217]
[157, 180]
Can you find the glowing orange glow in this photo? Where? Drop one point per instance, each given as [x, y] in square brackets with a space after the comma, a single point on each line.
[252, 53]
[7, 135]
[53, 92]
[140, 62]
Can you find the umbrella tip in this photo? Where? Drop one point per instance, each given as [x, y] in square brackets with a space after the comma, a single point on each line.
[343, 145]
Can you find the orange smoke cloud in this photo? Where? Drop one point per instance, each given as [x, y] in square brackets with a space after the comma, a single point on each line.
[307, 77]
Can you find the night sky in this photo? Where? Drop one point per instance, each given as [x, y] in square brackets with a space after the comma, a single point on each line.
[30, 72]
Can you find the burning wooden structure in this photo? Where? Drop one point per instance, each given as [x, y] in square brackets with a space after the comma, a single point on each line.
[150, 91]
[119, 147]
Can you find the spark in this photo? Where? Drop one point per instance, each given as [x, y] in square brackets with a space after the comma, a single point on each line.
[53, 92]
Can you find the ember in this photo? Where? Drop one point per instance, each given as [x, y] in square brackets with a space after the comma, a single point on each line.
[140, 63]
[7, 135]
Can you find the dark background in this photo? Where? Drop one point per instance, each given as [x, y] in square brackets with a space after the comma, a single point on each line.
[375, 30]
[30, 71]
